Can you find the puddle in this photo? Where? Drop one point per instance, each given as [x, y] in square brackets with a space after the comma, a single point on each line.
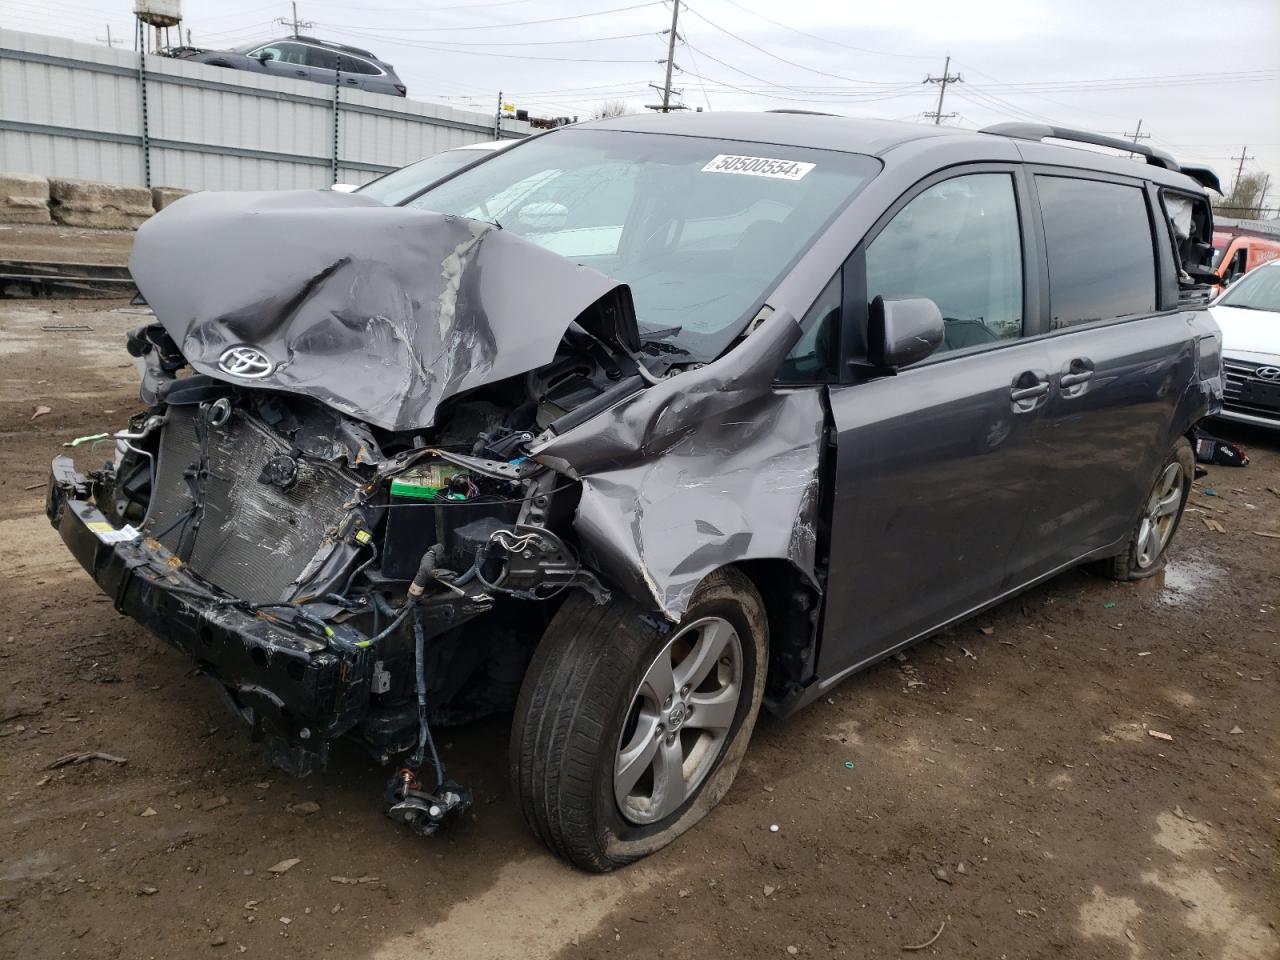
[1189, 579]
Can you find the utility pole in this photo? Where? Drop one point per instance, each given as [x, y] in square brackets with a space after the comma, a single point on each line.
[1137, 134]
[497, 119]
[1244, 155]
[942, 81]
[671, 57]
[109, 41]
[298, 25]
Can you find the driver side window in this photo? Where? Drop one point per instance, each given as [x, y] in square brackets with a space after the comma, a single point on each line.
[957, 243]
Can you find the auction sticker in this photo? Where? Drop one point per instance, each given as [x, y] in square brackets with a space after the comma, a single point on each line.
[759, 167]
[109, 534]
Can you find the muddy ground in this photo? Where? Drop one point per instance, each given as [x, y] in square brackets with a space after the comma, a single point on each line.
[1003, 783]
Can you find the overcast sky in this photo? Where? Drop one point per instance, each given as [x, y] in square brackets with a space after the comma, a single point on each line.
[1204, 79]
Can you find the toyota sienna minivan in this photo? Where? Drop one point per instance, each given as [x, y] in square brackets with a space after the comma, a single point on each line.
[637, 427]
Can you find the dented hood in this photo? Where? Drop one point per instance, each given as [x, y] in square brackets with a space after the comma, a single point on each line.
[380, 312]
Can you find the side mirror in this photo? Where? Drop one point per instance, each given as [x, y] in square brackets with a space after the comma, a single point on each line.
[262, 56]
[543, 215]
[902, 332]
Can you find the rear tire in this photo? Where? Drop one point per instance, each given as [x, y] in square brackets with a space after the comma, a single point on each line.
[592, 708]
[1148, 541]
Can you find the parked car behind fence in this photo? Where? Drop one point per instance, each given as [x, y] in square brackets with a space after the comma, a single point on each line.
[304, 58]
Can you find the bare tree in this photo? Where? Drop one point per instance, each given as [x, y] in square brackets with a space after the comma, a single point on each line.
[1245, 199]
[611, 108]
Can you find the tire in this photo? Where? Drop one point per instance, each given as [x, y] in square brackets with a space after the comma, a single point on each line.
[1139, 560]
[594, 680]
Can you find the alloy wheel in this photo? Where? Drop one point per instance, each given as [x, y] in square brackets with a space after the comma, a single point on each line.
[679, 719]
[1158, 518]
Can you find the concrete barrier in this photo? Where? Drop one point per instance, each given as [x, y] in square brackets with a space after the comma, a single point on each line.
[161, 197]
[24, 198]
[84, 203]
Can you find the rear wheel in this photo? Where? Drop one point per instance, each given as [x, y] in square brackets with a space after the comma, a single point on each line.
[1145, 549]
[625, 735]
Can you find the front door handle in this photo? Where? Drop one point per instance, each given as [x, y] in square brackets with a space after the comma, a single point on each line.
[1029, 391]
[301, 73]
[1074, 379]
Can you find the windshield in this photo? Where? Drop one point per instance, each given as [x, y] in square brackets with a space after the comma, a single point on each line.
[1220, 244]
[1257, 290]
[700, 229]
[400, 184]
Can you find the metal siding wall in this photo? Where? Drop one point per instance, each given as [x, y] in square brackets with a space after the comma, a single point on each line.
[208, 108]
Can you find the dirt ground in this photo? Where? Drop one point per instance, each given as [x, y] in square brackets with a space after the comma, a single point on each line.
[56, 243]
[1002, 784]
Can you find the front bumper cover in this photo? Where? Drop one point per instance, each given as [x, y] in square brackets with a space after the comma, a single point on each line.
[295, 690]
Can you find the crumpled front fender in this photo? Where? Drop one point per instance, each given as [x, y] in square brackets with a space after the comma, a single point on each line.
[699, 471]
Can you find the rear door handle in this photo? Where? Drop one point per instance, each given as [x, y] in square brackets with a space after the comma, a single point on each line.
[1074, 379]
[1029, 391]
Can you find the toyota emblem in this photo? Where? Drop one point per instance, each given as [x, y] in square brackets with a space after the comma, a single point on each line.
[1269, 374]
[245, 362]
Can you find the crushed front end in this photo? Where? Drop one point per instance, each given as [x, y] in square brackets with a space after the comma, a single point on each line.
[328, 500]
[333, 581]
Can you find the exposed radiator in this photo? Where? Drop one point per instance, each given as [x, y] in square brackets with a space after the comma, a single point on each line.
[253, 539]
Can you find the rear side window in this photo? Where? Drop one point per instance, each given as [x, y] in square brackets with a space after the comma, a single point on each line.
[323, 59]
[1102, 262]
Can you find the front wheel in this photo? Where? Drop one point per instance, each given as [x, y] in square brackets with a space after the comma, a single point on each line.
[626, 735]
[1145, 549]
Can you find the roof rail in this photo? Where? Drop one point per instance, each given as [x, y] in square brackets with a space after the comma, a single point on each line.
[806, 113]
[1044, 131]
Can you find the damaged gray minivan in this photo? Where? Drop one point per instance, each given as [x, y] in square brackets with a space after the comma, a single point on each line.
[636, 427]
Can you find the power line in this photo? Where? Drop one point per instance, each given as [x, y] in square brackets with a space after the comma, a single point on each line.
[769, 53]
[814, 36]
[542, 43]
[1137, 134]
[942, 81]
[694, 60]
[671, 62]
[298, 25]
[436, 48]
[417, 9]
[769, 83]
[779, 96]
[523, 23]
[1244, 155]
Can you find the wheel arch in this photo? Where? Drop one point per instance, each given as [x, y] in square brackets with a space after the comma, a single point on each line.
[792, 607]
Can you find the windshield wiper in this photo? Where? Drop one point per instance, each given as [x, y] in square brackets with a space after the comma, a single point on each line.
[661, 333]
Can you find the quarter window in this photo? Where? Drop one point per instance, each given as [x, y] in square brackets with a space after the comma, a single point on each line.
[816, 355]
[958, 244]
[352, 64]
[1102, 262]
